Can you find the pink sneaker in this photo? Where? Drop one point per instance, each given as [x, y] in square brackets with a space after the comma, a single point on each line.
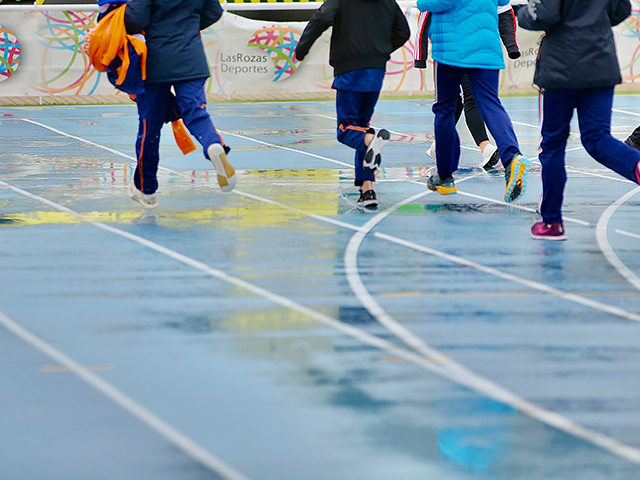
[638, 172]
[549, 231]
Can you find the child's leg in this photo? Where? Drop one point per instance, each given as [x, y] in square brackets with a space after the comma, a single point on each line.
[557, 110]
[354, 111]
[152, 109]
[594, 116]
[447, 80]
[472, 114]
[193, 108]
[485, 90]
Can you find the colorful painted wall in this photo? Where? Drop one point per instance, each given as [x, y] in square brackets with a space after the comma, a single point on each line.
[41, 53]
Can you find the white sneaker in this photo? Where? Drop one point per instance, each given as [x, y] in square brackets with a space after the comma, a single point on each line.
[373, 155]
[148, 201]
[225, 172]
[490, 156]
[432, 150]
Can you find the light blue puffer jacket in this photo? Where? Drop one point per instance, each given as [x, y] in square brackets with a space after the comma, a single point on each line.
[464, 33]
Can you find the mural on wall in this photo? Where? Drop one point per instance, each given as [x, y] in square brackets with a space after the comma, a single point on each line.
[279, 43]
[9, 53]
[245, 57]
[64, 67]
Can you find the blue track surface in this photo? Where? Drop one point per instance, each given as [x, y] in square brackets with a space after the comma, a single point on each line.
[280, 333]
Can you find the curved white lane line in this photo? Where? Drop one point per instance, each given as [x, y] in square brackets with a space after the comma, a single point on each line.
[603, 240]
[619, 312]
[457, 372]
[363, 295]
[435, 362]
[173, 436]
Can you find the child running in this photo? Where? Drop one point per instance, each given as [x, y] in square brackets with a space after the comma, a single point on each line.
[465, 39]
[365, 33]
[466, 102]
[577, 68]
[175, 59]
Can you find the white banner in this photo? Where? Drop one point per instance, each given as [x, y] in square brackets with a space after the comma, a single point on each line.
[41, 54]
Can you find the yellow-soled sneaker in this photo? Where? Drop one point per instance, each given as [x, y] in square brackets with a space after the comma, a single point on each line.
[516, 177]
[225, 172]
[444, 186]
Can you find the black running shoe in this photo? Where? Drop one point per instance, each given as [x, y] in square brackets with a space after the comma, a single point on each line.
[630, 141]
[368, 199]
[373, 156]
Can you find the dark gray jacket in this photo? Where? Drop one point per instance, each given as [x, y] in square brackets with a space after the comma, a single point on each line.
[578, 50]
[365, 33]
[172, 29]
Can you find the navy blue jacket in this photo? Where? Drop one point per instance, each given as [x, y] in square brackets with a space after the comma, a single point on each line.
[578, 50]
[172, 29]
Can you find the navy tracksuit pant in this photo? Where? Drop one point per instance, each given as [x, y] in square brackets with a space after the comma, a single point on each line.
[156, 106]
[354, 111]
[594, 119]
[485, 90]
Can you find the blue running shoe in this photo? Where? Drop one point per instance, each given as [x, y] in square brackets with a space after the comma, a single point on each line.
[444, 186]
[516, 177]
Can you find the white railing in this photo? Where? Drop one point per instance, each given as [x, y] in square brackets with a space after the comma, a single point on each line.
[231, 7]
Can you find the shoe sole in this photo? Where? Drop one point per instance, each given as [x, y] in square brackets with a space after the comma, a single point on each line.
[517, 184]
[224, 171]
[373, 157]
[442, 190]
[368, 204]
[549, 237]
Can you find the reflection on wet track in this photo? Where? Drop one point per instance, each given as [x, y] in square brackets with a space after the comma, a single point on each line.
[221, 336]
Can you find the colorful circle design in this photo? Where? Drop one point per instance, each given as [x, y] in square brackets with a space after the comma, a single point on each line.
[280, 43]
[9, 53]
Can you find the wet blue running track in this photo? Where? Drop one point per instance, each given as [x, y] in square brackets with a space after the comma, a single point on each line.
[281, 333]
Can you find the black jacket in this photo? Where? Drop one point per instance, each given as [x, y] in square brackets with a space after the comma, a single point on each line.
[578, 50]
[365, 33]
[172, 29]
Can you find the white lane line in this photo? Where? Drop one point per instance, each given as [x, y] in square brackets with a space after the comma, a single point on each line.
[619, 312]
[391, 131]
[537, 127]
[293, 209]
[628, 234]
[94, 144]
[626, 112]
[456, 371]
[515, 205]
[603, 240]
[363, 295]
[273, 145]
[434, 363]
[599, 175]
[361, 289]
[172, 435]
